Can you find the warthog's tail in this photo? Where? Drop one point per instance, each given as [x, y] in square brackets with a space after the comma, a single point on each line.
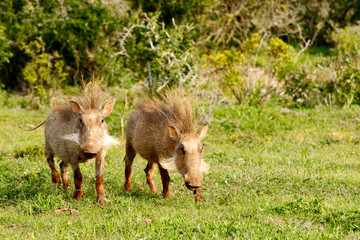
[34, 127]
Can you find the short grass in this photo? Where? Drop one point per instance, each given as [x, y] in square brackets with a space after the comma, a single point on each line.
[274, 174]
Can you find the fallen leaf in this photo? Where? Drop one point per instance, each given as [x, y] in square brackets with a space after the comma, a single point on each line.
[65, 210]
[148, 220]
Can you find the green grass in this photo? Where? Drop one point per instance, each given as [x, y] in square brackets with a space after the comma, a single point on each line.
[273, 175]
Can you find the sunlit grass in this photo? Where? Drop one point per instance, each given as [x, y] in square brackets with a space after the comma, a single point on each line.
[274, 174]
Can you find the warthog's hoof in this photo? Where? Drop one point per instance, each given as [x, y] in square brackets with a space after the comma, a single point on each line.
[198, 199]
[56, 178]
[198, 195]
[127, 188]
[65, 186]
[78, 194]
[101, 201]
[166, 194]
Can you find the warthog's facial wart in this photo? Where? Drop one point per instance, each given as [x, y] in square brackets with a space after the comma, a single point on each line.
[168, 163]
[204, 167]
[109, 141]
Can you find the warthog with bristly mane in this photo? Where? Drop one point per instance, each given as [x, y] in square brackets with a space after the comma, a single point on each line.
[76, 132]
[165, 132]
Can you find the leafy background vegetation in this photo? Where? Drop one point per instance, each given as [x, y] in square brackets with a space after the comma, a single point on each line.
[277, 82]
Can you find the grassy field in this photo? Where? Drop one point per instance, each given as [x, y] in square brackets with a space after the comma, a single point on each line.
[275, 173]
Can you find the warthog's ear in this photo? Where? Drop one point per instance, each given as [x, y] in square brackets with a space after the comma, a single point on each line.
[174, 133]
[204, 166]
[75, 107]
[202, 132]
[108, 108]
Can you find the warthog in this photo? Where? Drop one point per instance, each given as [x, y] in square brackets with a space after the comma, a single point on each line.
[77, 132]
[165, 132]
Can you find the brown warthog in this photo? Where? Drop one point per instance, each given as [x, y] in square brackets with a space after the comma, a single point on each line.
[77, 132]
[165, 132]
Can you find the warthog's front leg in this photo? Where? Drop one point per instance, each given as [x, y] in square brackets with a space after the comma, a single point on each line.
[165, 178]
[99, 172]
[77, 180]
[149, 170]
[198, 195]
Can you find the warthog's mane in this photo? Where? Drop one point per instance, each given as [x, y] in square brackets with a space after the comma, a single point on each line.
[91, 97]
[176, 108]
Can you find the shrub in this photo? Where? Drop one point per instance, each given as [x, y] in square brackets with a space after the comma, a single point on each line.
[45, 72]
[161, 58]
[83, 33]
[188, 10]
[301, 85]
[5, 54]
[239, 74]
[347, 82]
[347, 86]
[347, 41]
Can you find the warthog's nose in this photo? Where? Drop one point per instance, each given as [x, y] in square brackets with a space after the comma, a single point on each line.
[192, 187]
[89, 154]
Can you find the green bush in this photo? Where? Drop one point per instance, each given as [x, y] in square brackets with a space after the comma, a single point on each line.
[159, 57]
[235, 67]
[347, 41]
[302, 87]
[181, 11]
[5, 54]
[347, 83]
[347, 86]
[44, 73]
[83, 33]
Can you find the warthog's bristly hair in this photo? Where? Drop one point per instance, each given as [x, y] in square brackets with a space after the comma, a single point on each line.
[92, 97]
[176, 108]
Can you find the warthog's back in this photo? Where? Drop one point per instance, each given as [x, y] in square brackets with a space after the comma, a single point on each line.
[60, 126]
[148, 134]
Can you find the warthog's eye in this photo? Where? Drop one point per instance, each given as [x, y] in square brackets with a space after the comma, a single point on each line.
[103, 120]
[181, 148]
[80, 120]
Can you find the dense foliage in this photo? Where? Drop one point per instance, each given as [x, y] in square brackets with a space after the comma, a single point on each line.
[251, 51]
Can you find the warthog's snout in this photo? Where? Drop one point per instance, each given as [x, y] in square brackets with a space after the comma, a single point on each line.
[89, 155]
[89, 150]
[192, 187]
[193, 182]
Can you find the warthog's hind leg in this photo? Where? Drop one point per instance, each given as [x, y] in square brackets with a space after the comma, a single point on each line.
[50, 160]
[129, 159]
[64, 166]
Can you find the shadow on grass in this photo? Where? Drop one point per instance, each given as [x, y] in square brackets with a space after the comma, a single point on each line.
[319, 213]
[17, 189]
[138, 191]
[32, 151]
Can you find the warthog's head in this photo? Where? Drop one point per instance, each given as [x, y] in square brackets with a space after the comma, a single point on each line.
[92, 136]
[188, 156]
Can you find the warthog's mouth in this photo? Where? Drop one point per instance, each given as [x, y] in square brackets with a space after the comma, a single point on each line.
[192, 187]
[89, 155]
[84, 157]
